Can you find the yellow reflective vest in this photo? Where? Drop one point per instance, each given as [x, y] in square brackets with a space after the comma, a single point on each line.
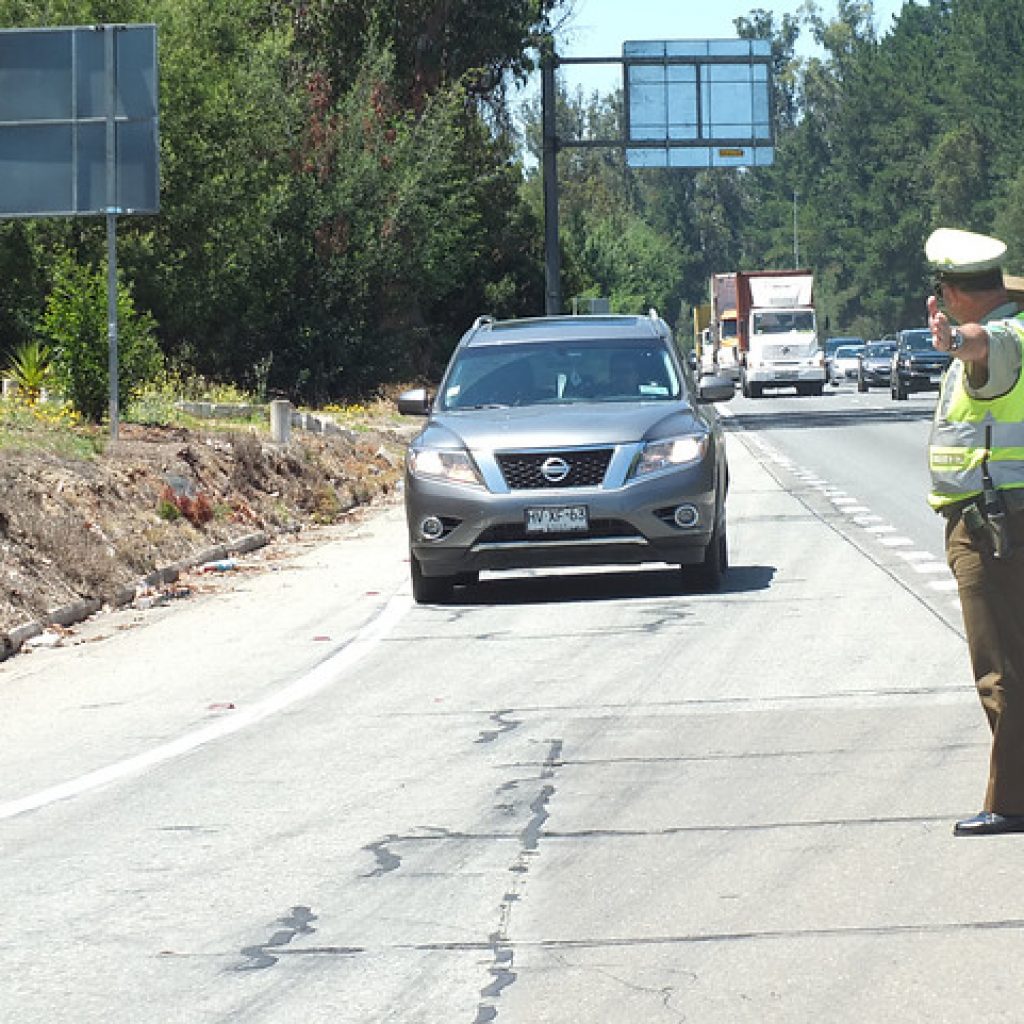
[969, 432]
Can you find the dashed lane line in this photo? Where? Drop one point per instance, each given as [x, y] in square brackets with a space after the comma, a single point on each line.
[923, 563]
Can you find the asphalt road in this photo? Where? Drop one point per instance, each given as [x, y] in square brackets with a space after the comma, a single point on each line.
[598, 797]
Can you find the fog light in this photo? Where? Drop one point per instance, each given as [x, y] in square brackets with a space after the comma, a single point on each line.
[686, 516]
[431, 528]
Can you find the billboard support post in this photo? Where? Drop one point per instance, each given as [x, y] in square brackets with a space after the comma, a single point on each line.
[111, 82]
[552, 255]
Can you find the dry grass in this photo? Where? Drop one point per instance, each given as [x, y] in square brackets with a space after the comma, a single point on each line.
[88, 523]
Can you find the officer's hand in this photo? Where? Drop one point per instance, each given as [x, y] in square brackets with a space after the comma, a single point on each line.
[938, 324]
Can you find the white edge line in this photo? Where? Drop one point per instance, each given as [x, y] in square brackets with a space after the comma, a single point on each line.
[319, 678]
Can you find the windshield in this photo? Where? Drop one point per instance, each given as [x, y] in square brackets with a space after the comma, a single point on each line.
[917, 340]
[783, 321]
[880, 349]
[848, 351]
[548, 373]
[834, 344]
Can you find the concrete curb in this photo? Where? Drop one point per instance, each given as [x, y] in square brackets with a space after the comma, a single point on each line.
[311, 422]
[12, 641]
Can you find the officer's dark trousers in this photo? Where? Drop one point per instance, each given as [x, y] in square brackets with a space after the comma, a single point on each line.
[992, 599]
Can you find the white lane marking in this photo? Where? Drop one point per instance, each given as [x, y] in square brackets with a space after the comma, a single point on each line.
[924, 568]
[324, 675]
[922, 562]
[916, 556]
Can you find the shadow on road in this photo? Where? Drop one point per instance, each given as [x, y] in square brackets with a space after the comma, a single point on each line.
[802, 418]
[613, 585]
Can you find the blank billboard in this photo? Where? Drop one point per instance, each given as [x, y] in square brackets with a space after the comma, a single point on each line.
[54, 85]
[698, 103]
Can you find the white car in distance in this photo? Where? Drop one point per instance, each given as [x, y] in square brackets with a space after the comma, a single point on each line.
[844, 363]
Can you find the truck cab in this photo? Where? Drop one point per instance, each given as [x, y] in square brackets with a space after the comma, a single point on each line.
[778, 333]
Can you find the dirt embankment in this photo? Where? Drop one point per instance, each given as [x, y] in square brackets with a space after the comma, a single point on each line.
[87, 533]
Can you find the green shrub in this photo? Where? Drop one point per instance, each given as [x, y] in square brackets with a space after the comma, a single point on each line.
[75, 324]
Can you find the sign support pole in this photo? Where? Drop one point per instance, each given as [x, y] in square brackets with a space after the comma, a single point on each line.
[552, 255]
[109, 50]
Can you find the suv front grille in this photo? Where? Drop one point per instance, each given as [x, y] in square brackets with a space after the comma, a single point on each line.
[927, 364]
[523, 470]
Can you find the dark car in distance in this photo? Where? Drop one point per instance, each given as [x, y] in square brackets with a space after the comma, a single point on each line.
[874, 364]
[916, 364]
[565, 441]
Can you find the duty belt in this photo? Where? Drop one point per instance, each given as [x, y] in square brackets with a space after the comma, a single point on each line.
[986, 516]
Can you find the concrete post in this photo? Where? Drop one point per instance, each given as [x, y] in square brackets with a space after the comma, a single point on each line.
[281, 421]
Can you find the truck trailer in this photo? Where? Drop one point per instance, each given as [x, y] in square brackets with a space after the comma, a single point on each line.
[778, 332]
[722, 354]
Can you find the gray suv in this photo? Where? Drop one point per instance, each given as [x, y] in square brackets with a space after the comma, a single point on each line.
[565, 441]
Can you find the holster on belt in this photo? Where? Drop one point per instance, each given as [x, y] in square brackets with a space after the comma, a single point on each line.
[987, 525]
[986, 517]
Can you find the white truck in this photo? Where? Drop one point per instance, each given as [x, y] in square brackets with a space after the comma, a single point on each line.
[778, 332]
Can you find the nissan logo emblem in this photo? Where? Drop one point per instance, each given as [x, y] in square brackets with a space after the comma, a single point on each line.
[554, 469]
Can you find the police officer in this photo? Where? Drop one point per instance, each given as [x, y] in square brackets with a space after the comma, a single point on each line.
[976, 457]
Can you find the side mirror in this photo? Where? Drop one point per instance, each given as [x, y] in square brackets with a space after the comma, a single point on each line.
[414, 403]
[715, 388]
[691, 359]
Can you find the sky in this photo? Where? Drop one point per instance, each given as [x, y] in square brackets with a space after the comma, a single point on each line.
[599, 28]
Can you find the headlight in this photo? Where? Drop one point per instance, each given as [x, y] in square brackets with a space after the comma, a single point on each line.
[677, 451]
[444, 464]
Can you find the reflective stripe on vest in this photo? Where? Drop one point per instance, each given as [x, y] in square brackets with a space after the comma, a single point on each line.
[958, 449]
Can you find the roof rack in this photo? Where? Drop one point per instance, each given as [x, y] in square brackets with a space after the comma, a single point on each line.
[653, 314]
[481, 320]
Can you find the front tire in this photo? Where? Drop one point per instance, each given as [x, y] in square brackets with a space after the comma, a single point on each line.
[708, 574]
[429, 589]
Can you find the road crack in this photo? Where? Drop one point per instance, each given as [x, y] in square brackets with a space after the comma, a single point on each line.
[502, 966]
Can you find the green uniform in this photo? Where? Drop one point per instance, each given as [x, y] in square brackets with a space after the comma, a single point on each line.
[980, 428]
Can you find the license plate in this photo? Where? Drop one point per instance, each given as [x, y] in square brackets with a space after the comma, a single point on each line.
[557, 519]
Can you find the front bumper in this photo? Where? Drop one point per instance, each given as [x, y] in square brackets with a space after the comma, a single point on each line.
[782, 375]
[876, 378]
[921, 378]
[627, 525]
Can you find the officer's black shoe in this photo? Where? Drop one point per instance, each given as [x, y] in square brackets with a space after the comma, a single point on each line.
[988, 823]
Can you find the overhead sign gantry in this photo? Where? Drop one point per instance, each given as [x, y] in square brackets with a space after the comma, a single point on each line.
[690, 104]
